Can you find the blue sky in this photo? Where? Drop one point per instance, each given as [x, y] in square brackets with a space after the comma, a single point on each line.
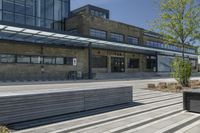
[134, 12]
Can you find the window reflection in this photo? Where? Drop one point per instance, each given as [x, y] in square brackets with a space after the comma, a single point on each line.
[40, 13]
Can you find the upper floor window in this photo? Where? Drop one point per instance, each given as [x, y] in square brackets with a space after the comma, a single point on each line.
[117, 37]
[98, 33]
[98, 14]
[132, 40]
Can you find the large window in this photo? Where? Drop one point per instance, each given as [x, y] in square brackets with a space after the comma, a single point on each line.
[168, 46]
[132, 40]
[98, 33]
[34, 59]
[41, 13]
[99, 62]
[133, 63]
[117, 37]
[23, 59]
[6, 58]
[151, 62]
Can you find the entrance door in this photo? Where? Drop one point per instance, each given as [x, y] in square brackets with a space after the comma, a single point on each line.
[117, 64]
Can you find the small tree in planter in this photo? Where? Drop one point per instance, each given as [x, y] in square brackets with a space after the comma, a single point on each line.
[181, 71]
[3, 129]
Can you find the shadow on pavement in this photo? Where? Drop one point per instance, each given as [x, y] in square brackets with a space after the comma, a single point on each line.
[66, 117]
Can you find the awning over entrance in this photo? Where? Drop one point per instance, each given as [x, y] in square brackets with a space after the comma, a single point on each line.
[44, 36]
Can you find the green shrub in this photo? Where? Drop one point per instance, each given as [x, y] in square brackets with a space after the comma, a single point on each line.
[3, 129]
[181, 70]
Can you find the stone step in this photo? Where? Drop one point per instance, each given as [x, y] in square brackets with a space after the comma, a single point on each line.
[165, 124]
[103, 118]
[138, 120]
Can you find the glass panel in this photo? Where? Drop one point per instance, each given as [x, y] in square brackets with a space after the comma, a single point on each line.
[35, 60]
[132, 40]
[57, 10]
[40, 8]
[8, 5]
[20, 6]
[99, 62]
[30, 20]
[133, 63]
[5, 58]
[68, 60]
[1, 4]
[49, 60]
[8, 16]
[23, 59]
[65, 10]
[117, 37]
[49, 9]
[40, 22]
[30, 7]
[98, 33]
[60, 61]
[20, 19]
[49, 24]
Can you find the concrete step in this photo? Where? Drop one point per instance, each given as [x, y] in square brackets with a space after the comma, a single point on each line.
[90, 121]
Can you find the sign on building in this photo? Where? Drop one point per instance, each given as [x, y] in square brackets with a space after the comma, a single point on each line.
[74, 62]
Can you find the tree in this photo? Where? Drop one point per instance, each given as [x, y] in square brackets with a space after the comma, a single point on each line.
[181, 70]
[179, 23]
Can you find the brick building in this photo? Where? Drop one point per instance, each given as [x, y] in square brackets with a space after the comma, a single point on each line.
[40, 40]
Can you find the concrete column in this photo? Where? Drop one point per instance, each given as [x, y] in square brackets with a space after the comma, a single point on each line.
[126, 62]
[90, 61]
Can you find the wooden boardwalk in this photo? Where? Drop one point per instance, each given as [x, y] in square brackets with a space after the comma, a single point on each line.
[153, 112]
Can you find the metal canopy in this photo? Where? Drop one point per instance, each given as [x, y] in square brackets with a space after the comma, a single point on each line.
[28, 34]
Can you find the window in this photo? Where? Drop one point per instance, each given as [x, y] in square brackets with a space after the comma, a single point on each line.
[133, 63]
[23, 59]
[117, 37]
[40, 13]
[30, 7]
[8, 5]
[151, 62]
[49, 60]
[49, 9]
[99, 62]
[8, 16]
[20, 6]
[98, 34]
[6, 58]
[68, 60]
[20, 19]
[59, 61]
[132, 40]
[36, 60]
[98, 14]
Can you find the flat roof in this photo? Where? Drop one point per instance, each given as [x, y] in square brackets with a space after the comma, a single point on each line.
[45, 36]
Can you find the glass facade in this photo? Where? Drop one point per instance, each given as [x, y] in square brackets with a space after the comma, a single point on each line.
[169, 46]
[49, 14]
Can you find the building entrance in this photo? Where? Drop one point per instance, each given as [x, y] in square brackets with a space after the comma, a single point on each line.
[117, 64]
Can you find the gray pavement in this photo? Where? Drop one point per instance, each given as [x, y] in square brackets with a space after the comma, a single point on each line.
[156, 112]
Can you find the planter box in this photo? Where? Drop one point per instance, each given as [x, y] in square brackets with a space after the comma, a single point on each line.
[191, 100]
[35, 105]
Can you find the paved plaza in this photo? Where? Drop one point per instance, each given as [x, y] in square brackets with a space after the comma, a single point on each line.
[151, 112]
